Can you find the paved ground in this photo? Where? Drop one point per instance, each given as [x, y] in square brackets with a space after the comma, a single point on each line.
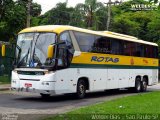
[26, 103]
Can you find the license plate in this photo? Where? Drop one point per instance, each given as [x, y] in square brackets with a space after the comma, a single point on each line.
[28, 85]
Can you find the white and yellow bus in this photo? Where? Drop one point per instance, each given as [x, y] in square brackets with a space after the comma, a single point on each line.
[59, 59]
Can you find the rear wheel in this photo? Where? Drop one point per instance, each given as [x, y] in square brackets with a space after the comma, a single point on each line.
[137, 87]
[144, 85]
[81, 89]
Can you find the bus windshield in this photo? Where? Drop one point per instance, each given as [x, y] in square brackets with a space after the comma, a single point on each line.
[32, 49]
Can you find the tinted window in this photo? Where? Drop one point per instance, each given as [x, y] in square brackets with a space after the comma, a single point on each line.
[116, 47]
[85, 41]
[155, 52]
[149, 51]
[101, 45]
[133, 49]
[138, 50]
[126, 48]
[93, 43]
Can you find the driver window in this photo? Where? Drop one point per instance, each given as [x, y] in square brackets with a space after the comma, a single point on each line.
[65, 51]
[65, 37]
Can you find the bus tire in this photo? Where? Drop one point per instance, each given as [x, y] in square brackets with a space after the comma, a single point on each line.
[137, 87]
[81, 89]
[144, 85]
[45, 96]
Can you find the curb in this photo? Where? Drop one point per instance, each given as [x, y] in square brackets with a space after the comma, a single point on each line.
[4, 89]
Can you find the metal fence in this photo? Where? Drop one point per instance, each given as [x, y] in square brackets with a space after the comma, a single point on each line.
[6, 63]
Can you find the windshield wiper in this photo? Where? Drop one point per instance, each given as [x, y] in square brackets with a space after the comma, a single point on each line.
[26, 56]
[33, 54]
[19, 51]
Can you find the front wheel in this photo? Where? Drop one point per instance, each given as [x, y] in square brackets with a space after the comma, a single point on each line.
[45, 96]
[81, 89]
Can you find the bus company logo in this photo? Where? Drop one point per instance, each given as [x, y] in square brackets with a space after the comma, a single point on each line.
[104, 59]
[132, 61]
[145, 61]
[154, 62]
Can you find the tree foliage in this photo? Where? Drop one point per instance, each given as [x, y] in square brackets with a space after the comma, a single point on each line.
[13, 17]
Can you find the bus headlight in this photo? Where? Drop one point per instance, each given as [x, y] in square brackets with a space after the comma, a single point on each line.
[15, 71]
[48, 72]
[14, 81]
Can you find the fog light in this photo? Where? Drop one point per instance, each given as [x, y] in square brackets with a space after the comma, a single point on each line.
[45, 83]
[14, 81]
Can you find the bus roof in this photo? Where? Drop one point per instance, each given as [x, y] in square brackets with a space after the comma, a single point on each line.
[61, 28]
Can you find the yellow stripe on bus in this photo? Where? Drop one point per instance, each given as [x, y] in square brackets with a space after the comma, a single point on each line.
[96, 58]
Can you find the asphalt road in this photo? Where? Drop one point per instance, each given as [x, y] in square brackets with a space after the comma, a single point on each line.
[26, 103]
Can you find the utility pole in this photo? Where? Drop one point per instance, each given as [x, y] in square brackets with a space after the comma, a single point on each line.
[66, 2]
[109, 14]
[109, 4]
[28, 13]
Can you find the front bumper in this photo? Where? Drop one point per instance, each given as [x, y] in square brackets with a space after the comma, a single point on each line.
[33, 90]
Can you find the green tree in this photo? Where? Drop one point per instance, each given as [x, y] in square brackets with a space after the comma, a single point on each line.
[60, 15]
[12, 18]
[154, 28]
[35, 7]
[124, 24]
[35, 10]
[88, 10]
[154, 1]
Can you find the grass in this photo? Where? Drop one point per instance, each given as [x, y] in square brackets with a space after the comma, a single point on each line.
[148, 103]
[4, 80]
[141, 103]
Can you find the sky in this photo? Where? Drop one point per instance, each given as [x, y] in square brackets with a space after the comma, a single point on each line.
[49, 4]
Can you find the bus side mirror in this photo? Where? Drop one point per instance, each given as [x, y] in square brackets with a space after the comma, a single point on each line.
[3, 50]
[50, 51]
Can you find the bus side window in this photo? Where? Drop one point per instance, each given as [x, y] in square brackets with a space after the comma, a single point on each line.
[85, 41]
[138, 50]
[149, 51]
[126, 48]
[116, 47]
[142, 51]
[65, 37]
[155, 52]
[133, 49]
[102, 45]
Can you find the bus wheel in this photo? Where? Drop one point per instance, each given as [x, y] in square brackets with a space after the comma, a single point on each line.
[45, 95]
[137, 87]
[144, 85]
[81, 89]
